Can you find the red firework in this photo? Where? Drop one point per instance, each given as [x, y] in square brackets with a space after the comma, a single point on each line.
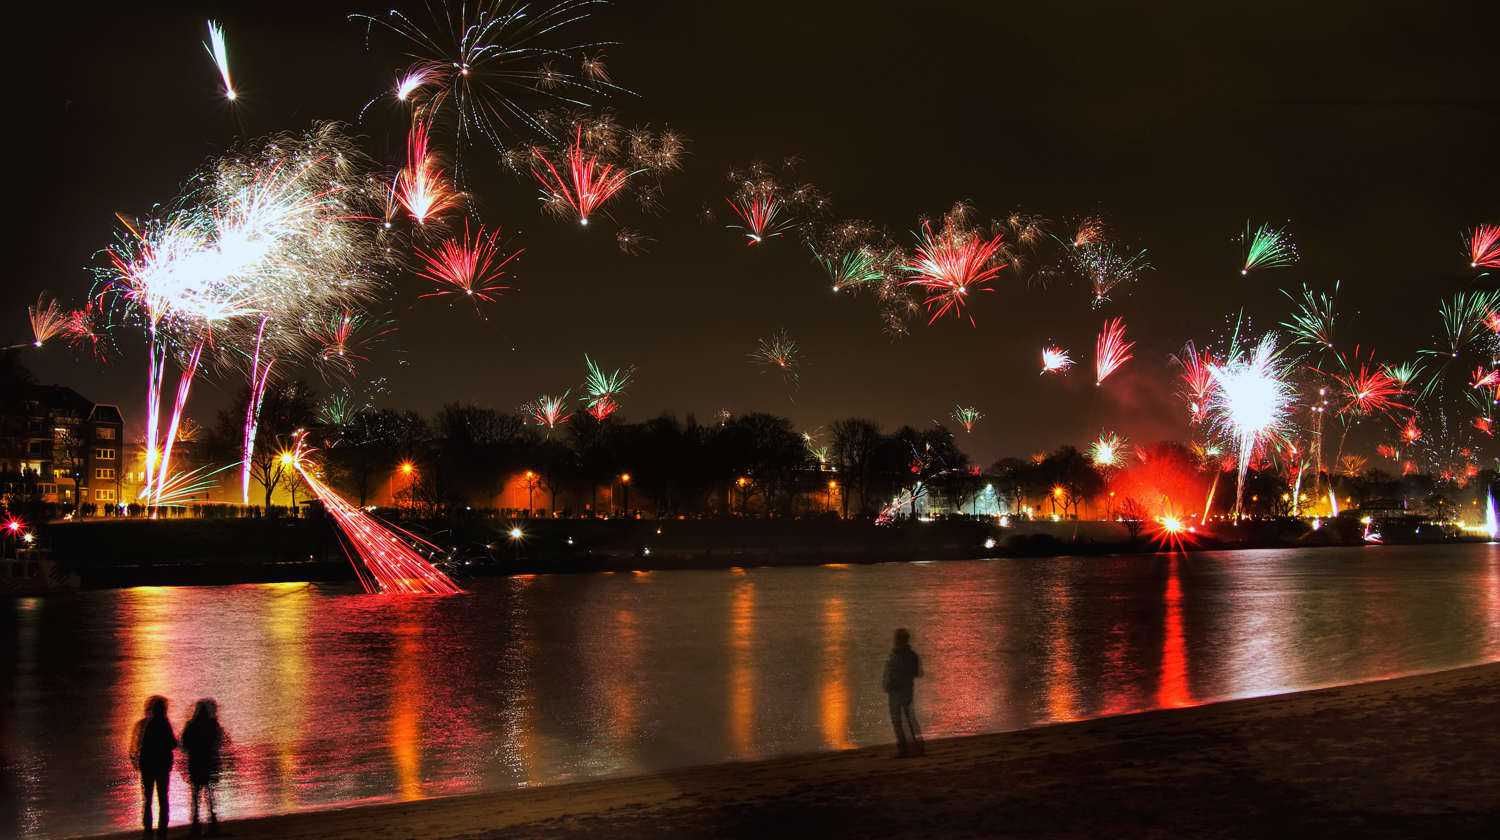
[1197, 380]
[473, 269]
[1411, 433]
[1485, 425]
[1485, 378]
[603, 407]
[949, 265]
[1484, 247]
[1368, 388]
[1388, 452]
[587, 185]
[421, 187]
[1111, 350]
[761, 212]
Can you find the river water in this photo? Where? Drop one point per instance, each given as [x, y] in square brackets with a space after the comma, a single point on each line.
[334, 698]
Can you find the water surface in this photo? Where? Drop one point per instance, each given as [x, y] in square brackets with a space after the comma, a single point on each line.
[334, 698]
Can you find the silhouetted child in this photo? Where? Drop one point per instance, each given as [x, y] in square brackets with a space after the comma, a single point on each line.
[203, 740]
[152, 748]
[902, 668]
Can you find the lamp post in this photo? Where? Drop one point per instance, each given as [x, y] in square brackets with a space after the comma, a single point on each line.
[625, 482]
[530, 486]
[742, 482]
[410, 471]
[832, 486]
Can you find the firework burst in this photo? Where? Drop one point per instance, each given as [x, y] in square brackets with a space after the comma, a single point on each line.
[218, 50]
[1483, 247]
[341, 338]
[48, 320]
[549, 411]
[1111, 350]
[1108, 450]
[857, 268]
[778, 352]
[1311, 324]
[1251, 402]
[492, 62]
[1266, 247]
[1368, 389]
[1197, 379]
[416, 77]
[421, 187]
[602, 390]
[588, 183]
[951, 263]
[472, 268]
[1055, 360]
[967, 416]
[762, 215]
[1107, 268]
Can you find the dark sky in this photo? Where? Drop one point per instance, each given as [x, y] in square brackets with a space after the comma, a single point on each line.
[1372, 128]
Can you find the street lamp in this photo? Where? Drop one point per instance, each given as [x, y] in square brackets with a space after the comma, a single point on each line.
[410, 471]
[625, 481]
[530, 486]
[832, 486]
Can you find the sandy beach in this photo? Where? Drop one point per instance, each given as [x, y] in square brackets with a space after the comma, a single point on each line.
[1413, 756]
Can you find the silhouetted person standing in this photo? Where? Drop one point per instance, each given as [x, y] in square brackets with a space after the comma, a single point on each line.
[152, 748]
[203, 740]
[902, 668]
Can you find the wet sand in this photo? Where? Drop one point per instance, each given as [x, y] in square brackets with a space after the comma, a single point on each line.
[1413, 756]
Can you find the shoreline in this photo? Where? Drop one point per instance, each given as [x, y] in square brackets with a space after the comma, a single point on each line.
[1408, 756]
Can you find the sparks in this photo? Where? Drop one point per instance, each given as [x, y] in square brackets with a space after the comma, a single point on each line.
[421, 187]
[602, 391]
[761, 214]
[1267, 247]
[472, 269]
[1111, 350]
[1107, 267]
[778, 352]
[966, 416]
[1197, 379]
[1368, 389]
[549, 411]
[588, 185]
[1483, 246]
[1055, 360]
[1108, 450]
[48, 320]
[950, 264]
[1250, 403]
[416, 77]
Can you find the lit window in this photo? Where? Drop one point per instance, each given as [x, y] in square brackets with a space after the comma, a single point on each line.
[104, 432]
[104, 454]
[104, 472]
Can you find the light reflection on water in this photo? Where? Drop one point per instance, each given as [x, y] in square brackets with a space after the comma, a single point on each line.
[334, 698]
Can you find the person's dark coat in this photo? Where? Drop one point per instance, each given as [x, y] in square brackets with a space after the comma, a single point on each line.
[902, 668]
[203, 741]
[153, 746]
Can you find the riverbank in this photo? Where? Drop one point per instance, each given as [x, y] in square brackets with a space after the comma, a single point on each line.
[133, 552]
[1407, 757]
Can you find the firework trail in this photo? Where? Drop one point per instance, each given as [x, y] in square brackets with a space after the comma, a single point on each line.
[1483, 247]
[778, 352]
[816, 449]
[1197, 379]
[951, 263]
[491, 60]
[1485, 378]
[632, 242]
[1055, 360]
[1111, 350]
[1108, 450]
[184, 383]
[218, 50]
[549, 411]
[472, 269]
[1267, 247]
[602, 391]
[258, 379]
[967, 417]
[48, 320]
[589, 183]
[1107, 268]
[421, 187]
[1250, 403]
[1090, 230]
[387, 563]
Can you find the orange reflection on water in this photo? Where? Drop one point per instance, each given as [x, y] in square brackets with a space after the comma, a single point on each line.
[834, 701]
[286, 690]
[406, 710]
[1173, 689]
[742, 670]
[1062, 693]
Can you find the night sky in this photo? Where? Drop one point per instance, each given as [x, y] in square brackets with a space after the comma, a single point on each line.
[1374, 133]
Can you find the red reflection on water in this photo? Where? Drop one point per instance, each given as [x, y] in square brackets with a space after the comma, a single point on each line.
[959, 639]
[1173, 689]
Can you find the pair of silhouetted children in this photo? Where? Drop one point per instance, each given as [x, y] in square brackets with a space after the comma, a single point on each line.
[153, 746]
